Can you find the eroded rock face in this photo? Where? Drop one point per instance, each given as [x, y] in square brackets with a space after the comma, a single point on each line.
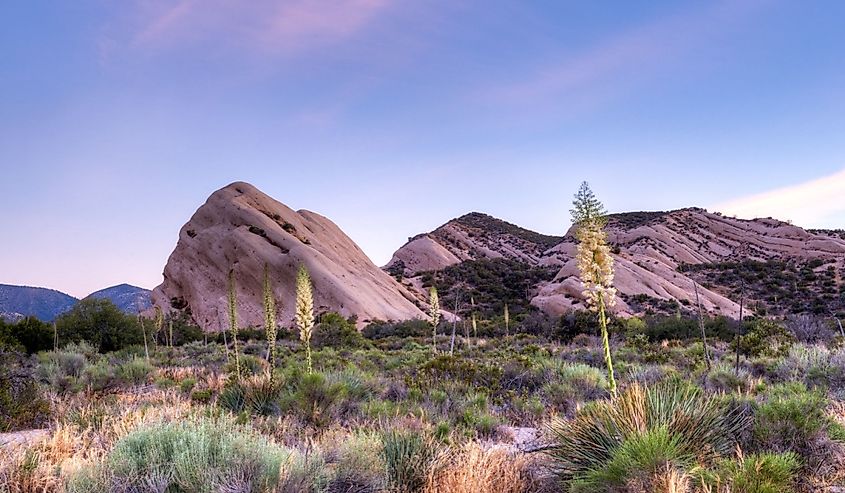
[241, 228]
[651, 249]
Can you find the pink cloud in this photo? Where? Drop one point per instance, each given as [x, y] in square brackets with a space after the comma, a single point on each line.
[263, 26]
[622, 57]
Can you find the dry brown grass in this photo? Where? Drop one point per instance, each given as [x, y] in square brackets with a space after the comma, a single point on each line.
[666, 480]
[475, 469]
[45, 465]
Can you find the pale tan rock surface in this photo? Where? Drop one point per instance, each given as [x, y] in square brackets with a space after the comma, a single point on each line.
[241, 228]
[651, 247]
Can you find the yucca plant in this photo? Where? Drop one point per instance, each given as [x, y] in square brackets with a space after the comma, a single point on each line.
[474, 321]
[434, 313]
[305, 312]
[158, 323]
[595, 264]
[233, 320]
[270, 318]
[672, 423]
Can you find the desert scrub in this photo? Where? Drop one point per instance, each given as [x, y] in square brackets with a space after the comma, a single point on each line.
[247, 365]
[724, 378]
[408, 457]
[815, 365]
[192, 456]
[793, 419]
[61, 369]
[476, 469]
[257, 396]
[315, 399]
[573, 384]
[671, 425]
[754, 473]
[21, 403]
[359, 465]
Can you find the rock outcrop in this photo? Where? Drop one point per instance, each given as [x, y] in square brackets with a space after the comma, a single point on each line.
[241, 228]
[656, 255]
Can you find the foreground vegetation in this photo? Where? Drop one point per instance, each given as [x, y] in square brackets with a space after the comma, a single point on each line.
[382, 411]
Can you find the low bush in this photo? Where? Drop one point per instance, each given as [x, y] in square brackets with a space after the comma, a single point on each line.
[757, 473]
[668, 425]
[21, 403]
[475, 469]
[408, 458]
[190, 456]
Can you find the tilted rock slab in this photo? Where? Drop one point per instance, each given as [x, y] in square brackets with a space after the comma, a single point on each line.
[241, 228]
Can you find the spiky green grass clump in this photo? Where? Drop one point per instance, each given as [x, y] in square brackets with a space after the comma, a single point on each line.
[670, 426]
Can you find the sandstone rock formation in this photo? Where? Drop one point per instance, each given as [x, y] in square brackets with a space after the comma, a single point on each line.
[651, 249]
[469, 237]
[241, 228]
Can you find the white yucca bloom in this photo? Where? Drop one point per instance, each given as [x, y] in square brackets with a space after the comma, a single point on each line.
[305, 311]
[595, 265]
[434, 313]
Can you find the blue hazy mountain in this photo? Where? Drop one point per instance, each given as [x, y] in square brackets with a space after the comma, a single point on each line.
[130, 299]
[17, 302]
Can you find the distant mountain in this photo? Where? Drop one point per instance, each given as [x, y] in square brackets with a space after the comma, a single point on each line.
[130, 299]
[17, 302]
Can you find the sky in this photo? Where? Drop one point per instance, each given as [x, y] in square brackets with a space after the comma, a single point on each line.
[118, 119]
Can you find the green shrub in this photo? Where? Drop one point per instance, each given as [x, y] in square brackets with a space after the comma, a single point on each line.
[638, 460]
[760, 473]
[697, 427]
[258, 396]
[314, 399]
[187, 384]
[201, 396]
[793, 419]
[101, 323]
[407, 456]
[100, 376]
[572, 384]
[360, 465]
[135, 372]
[336, 331]
[724, 378]
[250, 366]
[187, 456]
[21, 403]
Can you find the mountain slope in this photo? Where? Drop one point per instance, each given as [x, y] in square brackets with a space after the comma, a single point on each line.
[240, 228]
[130, 299]
[660, 256]
[17, 302]
[470, 237]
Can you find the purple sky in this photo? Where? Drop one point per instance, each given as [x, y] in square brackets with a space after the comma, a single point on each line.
[118, 119]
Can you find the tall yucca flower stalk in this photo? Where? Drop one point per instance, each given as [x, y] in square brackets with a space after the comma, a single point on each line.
[305, 312]
[507, 321]
[233, 321]
[595, 264]
[270, 318]
[158, 324]
[434, 313]
[474, 321]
